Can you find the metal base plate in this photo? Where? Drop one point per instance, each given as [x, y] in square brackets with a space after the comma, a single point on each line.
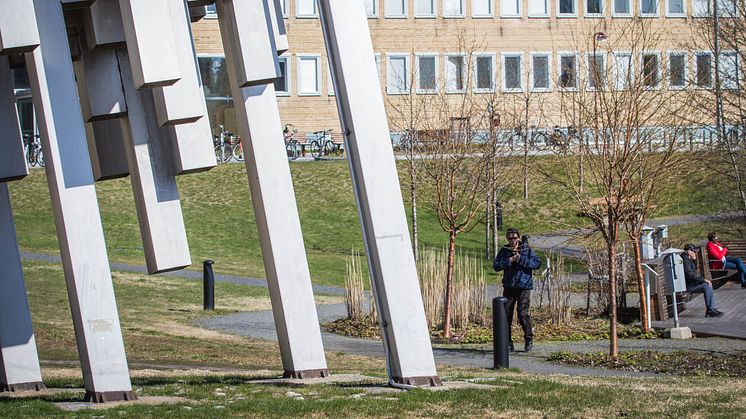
[35, 386]
[322, 373]
[109, 396]
[433, 381]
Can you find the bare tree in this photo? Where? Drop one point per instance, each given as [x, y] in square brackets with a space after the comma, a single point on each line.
[628, 122]
[449, 125]
[722, 31]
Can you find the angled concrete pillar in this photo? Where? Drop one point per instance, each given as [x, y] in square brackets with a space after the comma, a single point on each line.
[19, 361]
[99, 84]
[276, 212]
[153, 184]
[12, 158]
[106, 148]
[18, 30]
[150, 42]
[103, 25]
[278, 26]
[376, 184]
[182, 101]
[76, 213]
[248, 25]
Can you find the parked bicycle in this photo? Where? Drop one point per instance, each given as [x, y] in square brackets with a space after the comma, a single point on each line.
[227, 146]
[323, 145]
[33, 151]
[292, 146]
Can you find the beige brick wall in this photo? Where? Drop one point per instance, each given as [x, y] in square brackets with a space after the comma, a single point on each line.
[442, 35]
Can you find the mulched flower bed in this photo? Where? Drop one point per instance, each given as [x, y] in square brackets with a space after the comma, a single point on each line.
[682, 362]
[580, 327]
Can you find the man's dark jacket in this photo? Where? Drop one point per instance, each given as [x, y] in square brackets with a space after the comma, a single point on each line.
[517, 275]
[690, 272]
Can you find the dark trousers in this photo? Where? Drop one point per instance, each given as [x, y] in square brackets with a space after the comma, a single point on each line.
[523, 298]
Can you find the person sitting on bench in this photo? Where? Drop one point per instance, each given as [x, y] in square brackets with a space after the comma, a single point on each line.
[718, 260]
[697, 283]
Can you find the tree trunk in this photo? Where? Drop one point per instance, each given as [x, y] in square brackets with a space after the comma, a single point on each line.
[641, 285]
[525, 166]
[413, 196]
[611, 244]
[449, 284]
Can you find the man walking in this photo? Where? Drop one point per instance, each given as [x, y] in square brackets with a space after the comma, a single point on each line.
[517, 261]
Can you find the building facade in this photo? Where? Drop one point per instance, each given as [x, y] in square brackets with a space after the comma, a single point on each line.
[491, 49]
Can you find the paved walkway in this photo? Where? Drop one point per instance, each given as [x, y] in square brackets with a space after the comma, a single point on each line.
[260, 325]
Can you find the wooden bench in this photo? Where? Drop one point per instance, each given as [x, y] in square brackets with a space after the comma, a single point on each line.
[719, 277]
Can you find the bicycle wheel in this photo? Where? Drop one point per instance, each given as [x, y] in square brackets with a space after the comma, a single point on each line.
[293, 149]
[316, 150]
[238, 152]
[40, 158]
[329, 149]
[223, 153]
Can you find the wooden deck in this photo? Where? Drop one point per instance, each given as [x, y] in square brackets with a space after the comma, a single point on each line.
[730, 299]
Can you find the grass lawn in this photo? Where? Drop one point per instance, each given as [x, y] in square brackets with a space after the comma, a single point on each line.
[220, 221]
[174, 361]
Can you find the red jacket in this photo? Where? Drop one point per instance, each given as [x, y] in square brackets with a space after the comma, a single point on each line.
[716, 251]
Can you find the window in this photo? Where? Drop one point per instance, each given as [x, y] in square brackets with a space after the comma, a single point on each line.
[728, 70]
[568, 70]
[650, 69]
[455, 73]
[309, 80]
[703, 69]
[378, 65]
[623, 70]
[424, 8]
[648, 8]
[675, 8]
[538, 8]
[481, 8]
[512, 72]
[727, 8]
[427, 73]
[510, 8]
[396, 8]
[282, 84]
[596, 71]
[484, 73]
[677, 70]
[622, 8]
[306, 8]
[214, 74]
[540, 72]
[212, 11]
[453, 8]
[566, 8]
[594, 7]
[371, 8]
[397, 74]
[284, 7]
[329, 82]
[701, 8]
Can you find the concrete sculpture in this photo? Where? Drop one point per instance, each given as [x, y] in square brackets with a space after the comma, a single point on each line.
[376, 183]
[117, 92]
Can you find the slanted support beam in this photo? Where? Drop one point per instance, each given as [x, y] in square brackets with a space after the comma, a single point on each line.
[153, 183]
[12, 158]
[376, 184]
[276, 212]
[76, 212]
[18, 29]
[19, 361]
[150, 42]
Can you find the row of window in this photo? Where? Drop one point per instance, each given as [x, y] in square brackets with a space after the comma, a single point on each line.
[517, 71]
[398, 9]
[537, 72]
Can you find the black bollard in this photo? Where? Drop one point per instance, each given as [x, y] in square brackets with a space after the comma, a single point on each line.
[500, 333]
[208, 281]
